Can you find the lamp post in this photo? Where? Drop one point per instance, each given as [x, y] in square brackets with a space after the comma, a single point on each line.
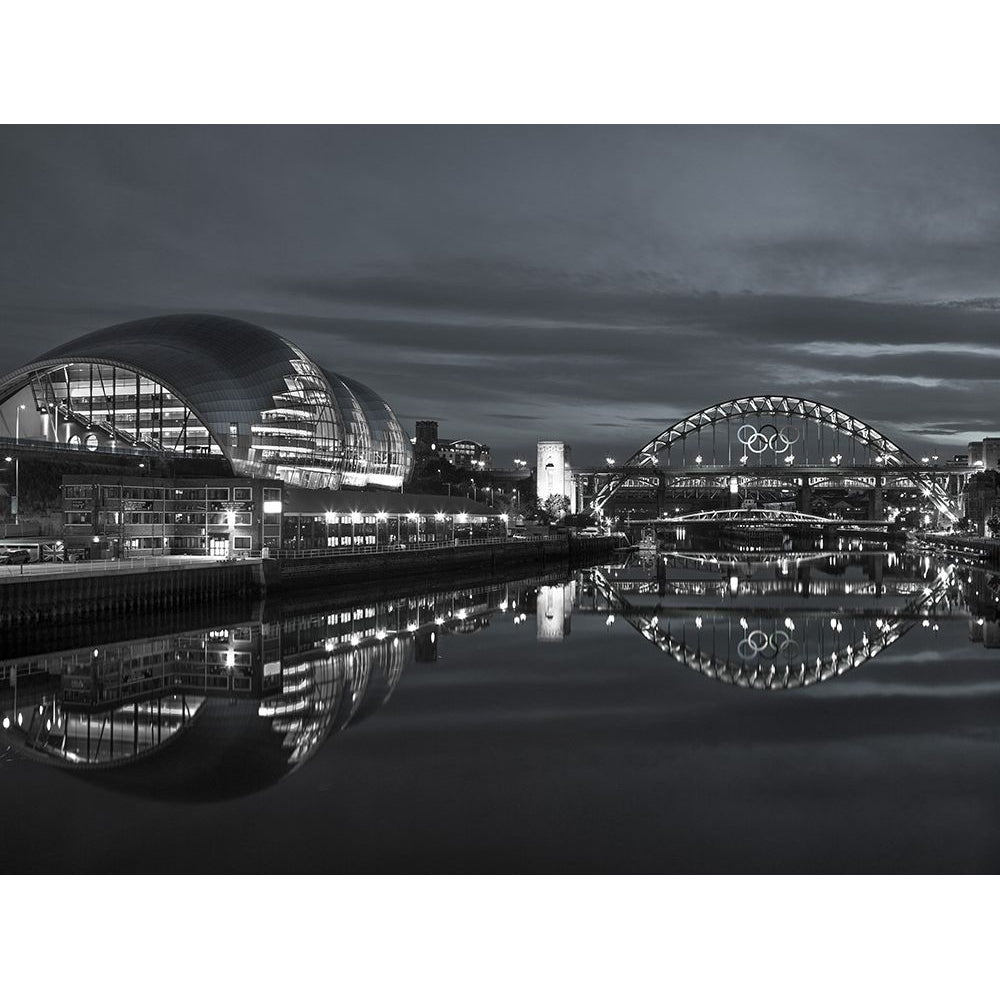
[17, 464]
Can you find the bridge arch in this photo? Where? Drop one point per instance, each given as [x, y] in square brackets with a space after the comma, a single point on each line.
[773, 655]
[776, 430]
[779, 407]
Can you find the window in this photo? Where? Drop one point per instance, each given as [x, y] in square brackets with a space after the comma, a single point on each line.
[242, 542]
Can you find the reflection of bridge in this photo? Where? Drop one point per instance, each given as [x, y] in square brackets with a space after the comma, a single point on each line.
[771, 648]
[778, 448]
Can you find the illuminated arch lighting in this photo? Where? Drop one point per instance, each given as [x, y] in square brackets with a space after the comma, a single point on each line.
[886, 452]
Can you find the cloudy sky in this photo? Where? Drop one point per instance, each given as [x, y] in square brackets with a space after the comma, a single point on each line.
[590, 284]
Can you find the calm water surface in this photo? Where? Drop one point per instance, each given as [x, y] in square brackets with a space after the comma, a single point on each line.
[684, 713]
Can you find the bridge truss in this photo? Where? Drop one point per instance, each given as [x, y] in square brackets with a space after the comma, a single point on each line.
[772, 654]
[777, 433]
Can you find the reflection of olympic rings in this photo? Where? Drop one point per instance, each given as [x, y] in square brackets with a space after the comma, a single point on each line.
[758, 645]
[760, 439]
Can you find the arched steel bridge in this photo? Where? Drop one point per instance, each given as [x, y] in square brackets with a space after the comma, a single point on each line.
[777, 432]
[771, 659]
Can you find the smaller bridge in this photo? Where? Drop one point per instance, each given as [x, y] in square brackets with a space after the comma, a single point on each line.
[751, 516]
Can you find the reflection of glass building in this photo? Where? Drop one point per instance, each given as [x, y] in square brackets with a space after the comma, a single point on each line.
[222, 712]
[201, 386]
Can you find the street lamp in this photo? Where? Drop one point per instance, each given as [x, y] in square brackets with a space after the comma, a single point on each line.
[17, 464]
[610, 461]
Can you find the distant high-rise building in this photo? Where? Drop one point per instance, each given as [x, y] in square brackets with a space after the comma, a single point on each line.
[985, 454]
[466, 454]
[554, 476]
[426, 441]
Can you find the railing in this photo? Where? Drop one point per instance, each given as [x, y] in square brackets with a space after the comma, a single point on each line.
[89, 567]
[137, 564]
[350, 550]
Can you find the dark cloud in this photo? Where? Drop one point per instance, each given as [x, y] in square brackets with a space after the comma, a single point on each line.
[580, 281]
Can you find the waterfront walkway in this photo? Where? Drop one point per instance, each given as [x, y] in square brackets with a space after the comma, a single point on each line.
[151, 564]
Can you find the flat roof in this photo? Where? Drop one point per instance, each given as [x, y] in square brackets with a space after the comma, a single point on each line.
[302, 501]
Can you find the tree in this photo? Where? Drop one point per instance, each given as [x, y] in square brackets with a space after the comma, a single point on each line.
[555, 506]
[993, 523]
[988, 479]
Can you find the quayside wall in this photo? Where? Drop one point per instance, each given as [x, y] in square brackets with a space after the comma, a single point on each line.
[54, 599]
[987, 549]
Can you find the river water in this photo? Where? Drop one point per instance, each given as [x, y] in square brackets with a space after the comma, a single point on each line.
[687, 712]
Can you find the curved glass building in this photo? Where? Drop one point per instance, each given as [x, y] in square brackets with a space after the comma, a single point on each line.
[201, 385]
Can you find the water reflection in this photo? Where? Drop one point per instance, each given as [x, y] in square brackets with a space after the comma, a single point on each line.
[221, 712]
[775, 622]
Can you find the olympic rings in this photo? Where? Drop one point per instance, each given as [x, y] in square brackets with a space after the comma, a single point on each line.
[767, 436]
[758, 645]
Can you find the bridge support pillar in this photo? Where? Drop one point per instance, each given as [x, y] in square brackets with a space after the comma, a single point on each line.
[876, 505]
[805, 499]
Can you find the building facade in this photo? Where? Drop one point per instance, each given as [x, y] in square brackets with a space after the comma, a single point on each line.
[985, 454]
[201, 386]
[465, 453]
[109, 517]
[554, 476]
[121, 517]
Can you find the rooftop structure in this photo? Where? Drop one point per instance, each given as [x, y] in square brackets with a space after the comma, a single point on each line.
[202, 385]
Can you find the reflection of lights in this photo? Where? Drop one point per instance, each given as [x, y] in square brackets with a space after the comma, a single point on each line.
[743, 623]
[610, 620]
[654, 621]
[925, 624]
[697, 622]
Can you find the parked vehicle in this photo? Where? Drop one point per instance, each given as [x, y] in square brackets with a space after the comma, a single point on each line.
[14, 557]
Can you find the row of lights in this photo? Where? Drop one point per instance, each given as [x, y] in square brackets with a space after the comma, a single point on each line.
[411, 516]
